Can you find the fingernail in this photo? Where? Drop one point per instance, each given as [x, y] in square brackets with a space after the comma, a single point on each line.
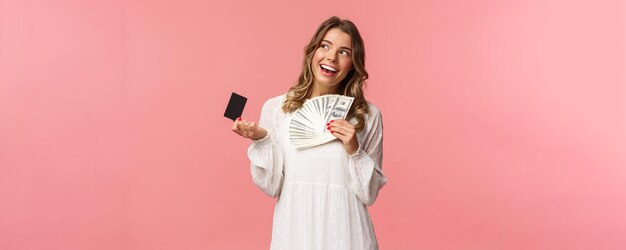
[332, 120]
[239, 118]
[327, 124]
[332, 132]
[328, 128]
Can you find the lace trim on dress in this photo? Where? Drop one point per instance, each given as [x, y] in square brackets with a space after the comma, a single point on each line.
[355, 153]
[262, 139]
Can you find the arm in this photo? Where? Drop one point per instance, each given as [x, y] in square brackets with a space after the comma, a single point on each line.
[265, 156]
[365, 166]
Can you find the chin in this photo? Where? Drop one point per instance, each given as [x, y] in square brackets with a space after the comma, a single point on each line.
[327, 84]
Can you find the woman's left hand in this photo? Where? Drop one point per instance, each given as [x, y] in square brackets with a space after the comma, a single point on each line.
[345, 131]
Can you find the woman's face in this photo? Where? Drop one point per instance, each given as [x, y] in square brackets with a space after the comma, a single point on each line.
[333, 59]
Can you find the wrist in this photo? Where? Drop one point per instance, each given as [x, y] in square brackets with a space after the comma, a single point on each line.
[261, 136]
[353, 151]
[352, 147]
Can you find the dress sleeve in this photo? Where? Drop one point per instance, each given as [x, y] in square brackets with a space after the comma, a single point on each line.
[365, 166]
[265, 156]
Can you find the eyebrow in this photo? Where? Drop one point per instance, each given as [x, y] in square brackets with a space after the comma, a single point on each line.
[340, 47]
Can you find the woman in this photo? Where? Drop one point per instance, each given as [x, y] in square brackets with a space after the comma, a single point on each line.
[324, 190]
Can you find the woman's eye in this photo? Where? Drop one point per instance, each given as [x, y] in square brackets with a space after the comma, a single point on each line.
[324, 46]
[344, 52]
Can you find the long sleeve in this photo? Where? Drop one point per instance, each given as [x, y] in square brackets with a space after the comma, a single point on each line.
[265, 156]
[365, 167]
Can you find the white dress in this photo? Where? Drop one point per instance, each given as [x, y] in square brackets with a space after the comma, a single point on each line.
[323, 192]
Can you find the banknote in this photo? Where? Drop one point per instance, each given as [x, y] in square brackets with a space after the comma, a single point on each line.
[308, 123]
[339, 109]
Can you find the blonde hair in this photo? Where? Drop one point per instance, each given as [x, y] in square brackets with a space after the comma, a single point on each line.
[352, 85]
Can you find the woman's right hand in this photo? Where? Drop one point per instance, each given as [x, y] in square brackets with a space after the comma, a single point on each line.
[248, 129]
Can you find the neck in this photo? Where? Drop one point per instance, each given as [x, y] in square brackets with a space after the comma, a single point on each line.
[322, 90]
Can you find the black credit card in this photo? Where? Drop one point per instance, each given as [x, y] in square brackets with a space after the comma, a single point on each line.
[235, 106]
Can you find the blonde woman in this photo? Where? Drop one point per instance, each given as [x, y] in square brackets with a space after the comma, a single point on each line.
[323, 192]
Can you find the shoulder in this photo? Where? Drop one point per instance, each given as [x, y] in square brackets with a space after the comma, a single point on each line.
[274, 102]
[374, 113]
[373, 119]
[276, 99]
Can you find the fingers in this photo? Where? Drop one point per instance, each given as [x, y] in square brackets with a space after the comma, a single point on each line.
[241, 127]
[341, 122]
[245, 125]
[235, 127]
[341, 126]
[340, 135]
[341, 129]
[249, 129]
[253, 128]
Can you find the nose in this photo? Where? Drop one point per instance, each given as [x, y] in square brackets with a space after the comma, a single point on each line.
[331, 56]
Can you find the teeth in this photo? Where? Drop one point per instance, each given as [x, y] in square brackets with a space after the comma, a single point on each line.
[329, 68]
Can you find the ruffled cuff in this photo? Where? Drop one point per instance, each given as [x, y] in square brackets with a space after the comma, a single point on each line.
[361, 168]
[263, 140]
[357, 152]
[266, 165]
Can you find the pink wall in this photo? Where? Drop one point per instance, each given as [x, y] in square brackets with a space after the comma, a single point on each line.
[505, 121]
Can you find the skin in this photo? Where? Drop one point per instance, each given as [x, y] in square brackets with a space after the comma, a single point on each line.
[334, 51]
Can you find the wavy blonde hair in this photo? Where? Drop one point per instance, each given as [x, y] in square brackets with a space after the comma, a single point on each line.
[352, 85]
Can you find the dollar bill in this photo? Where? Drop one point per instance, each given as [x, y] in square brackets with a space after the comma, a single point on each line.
[338, 109]
[316, 113]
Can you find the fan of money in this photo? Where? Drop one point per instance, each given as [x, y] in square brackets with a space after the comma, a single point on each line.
[308, 124]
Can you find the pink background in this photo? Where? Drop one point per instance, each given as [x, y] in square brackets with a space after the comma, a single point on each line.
[505, 121]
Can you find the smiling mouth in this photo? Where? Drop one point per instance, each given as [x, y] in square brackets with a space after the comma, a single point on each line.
[328, 70]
